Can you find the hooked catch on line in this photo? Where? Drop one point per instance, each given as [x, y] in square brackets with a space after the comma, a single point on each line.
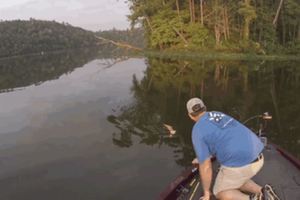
[171, 130]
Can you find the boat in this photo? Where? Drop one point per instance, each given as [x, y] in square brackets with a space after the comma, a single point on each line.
[281, 170]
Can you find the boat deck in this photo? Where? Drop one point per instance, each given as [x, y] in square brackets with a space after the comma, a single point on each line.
[277, 171]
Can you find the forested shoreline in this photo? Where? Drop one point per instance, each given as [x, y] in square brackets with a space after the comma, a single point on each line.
[133, 37]
[258, 26]
[23, 37]
[217, 26]
[34, 37]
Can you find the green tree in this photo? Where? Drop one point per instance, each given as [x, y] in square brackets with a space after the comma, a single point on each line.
[35, 36]
[236, 25]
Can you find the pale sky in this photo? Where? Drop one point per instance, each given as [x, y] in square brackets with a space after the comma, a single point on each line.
[88, 14]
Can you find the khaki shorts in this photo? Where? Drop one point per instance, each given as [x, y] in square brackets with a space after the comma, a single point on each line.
[234, 177]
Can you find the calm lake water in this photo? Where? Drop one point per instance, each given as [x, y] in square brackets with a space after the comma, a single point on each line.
[86, 126]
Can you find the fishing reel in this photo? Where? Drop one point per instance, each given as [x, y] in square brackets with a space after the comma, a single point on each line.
[263, 121]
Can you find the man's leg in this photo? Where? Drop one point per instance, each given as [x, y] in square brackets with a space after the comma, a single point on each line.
[230, 178]
[232, 195]
[252, 187]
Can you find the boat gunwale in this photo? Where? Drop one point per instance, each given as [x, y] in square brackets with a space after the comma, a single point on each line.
[184, 177]
[295, 161]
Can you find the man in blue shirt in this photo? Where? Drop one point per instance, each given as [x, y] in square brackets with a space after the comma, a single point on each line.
[237, 149]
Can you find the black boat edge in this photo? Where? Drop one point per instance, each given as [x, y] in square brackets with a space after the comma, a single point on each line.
[174, 188]
[288, 156]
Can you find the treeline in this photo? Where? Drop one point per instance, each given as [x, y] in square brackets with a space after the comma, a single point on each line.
[236, 25]
[134, 37]
[21, 37]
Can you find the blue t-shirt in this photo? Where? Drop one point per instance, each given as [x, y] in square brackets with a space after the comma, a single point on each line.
[233, 144]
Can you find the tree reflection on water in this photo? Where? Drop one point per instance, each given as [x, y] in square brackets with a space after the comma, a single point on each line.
[239, 88]
[22, 71]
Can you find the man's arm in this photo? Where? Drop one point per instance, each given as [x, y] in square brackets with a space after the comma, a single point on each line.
[206, 176]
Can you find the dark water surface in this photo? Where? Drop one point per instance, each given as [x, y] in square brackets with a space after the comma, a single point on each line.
[83, 126]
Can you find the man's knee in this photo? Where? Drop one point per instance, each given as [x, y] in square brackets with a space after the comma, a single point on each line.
[224, 195]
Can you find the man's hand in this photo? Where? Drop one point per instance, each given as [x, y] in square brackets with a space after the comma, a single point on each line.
[195, 162]
[206, 196]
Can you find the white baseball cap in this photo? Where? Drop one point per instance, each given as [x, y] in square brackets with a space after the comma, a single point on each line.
[194, 105]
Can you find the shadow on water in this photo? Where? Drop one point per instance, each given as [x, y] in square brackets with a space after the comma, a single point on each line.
[241, 89]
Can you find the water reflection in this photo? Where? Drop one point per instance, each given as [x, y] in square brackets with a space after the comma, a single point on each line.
[56, 142]
[20, 72]
[239, 88]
